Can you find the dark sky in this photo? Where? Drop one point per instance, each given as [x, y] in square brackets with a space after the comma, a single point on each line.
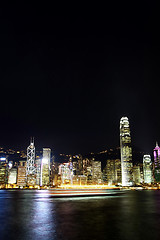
[67, 77]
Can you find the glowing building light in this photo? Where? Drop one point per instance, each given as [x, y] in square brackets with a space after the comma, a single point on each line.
[136, 174]
[44, 161]
[157, 163]
[30, 158]
[45, 167]
[66, 172]
[147, 169]
[126, 152]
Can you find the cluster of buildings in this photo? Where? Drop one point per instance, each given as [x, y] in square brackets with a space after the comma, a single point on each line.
[31, 171]
[146, 173]
[34, 171]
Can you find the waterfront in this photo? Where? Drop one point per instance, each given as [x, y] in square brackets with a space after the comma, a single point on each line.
[32, 214]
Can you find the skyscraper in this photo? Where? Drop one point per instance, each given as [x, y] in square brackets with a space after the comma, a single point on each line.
[30, 169]
[126, 152]
[113, 171]
[12, 176]
[21, 176]
[38, 170]
[147, 169]
[3, 172]
[96, 172]
[66, 173]
[45, 167]
[136, 174]
[157, 163]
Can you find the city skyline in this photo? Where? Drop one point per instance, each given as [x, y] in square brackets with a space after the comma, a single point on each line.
[112, 169]
[116, 152]
[100, 150]
[79, 121]
[42, 171]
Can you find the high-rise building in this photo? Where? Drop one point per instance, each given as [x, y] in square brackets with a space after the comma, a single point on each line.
[147, 169]
[136, 174]
[87, 167]
[79, 165]
[156, 166]
[141, 172]
[45, 167]
[38, 170]
[54, 173]
[30, 169]
[113, 171]
[66, 172]
[21, 177]
[126, 152]
[3, 172]
[12, 177]
[96, 172]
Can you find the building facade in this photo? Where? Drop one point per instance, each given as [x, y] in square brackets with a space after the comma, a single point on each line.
[136, 175]
[21, 176]
[126, 152]
[96, 172]
[156, 166]
[147, 169]
[113, 172]
[66, 173]
[38, 170]
[45, 167]
[3, 172]
[12, 177]
[30, 168]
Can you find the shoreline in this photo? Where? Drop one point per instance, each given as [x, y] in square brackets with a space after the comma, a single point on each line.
[83, 188]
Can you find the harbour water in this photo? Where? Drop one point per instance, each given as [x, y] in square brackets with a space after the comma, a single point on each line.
[33, 214]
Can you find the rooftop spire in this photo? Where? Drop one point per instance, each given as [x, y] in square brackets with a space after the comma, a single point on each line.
[32, 141]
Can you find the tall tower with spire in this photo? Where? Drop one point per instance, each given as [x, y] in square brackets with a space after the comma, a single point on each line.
[156, 153]
[30, 169]
[126, 152]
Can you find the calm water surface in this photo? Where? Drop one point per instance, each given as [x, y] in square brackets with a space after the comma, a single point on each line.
[31, 215]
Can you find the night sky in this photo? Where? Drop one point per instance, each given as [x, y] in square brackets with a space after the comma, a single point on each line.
[68, 77]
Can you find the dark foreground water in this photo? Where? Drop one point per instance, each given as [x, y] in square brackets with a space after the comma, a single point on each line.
[31, 215]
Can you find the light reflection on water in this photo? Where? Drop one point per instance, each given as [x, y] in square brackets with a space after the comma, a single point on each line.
[43, 220]
[34, 215]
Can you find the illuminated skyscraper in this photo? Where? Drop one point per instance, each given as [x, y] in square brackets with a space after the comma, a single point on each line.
[126, 152]
[66, 172]
[30, 158]
[3, 172]
[30, 169]
[45, 167]
[113, 171]
[96, 172]
[21, 176]
[147, 169]
[12, 176]
[136, 174]
[38, 170]
[157, 163]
